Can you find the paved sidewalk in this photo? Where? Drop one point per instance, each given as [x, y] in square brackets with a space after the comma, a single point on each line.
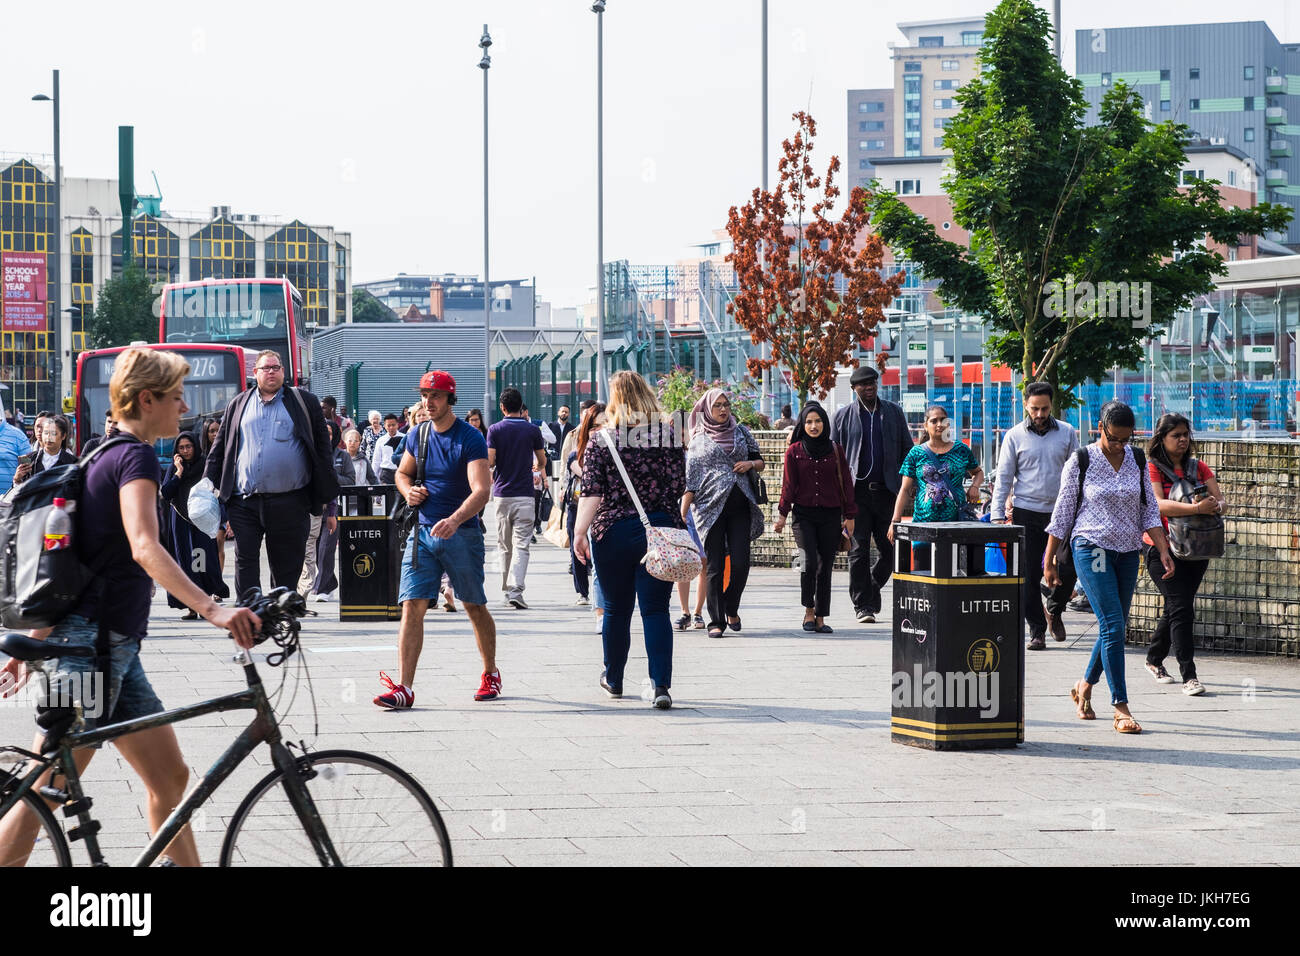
[776, 752]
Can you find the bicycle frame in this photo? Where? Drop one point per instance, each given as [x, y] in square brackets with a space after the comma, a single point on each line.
[263, 729]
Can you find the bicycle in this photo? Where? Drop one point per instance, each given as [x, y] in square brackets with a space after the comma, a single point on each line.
[327, 808]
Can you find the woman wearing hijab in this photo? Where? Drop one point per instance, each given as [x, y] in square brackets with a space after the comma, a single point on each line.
[193, 550]
[207, 437]
[817, 485]
[719, 485]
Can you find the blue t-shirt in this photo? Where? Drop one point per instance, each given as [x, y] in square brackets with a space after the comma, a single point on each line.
[446, 468]
[516, 441]
[13, 444]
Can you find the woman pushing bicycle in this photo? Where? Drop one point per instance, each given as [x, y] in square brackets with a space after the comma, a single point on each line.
[119, 517]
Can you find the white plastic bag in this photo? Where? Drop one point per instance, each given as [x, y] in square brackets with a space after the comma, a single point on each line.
[204, 509]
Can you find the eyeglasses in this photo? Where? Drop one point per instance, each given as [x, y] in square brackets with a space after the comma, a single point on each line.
[268, 368]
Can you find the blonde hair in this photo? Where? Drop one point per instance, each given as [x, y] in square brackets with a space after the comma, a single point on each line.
[143, 370]
[631, 401]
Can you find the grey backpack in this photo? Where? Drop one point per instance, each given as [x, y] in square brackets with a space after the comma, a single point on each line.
[1191, 537]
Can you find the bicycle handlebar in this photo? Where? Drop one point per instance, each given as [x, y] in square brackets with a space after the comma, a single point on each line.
[279, 611]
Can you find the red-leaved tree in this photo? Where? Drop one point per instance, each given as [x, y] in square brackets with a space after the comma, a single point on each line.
[788, 288]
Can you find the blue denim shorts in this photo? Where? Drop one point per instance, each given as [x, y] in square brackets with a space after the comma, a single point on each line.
[460, 557]
[129, 693]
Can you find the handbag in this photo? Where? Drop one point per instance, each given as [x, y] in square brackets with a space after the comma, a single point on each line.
[555, 531]
[670, 553]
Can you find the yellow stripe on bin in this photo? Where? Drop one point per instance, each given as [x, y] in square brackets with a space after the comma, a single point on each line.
[926, 735]
[1015, 725]
[989, 581]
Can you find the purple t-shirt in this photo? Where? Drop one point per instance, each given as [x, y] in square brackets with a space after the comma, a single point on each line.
[516, 440]
[123, 602]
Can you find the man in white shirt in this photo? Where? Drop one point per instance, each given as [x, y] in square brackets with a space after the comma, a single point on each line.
[381, 456]
[1029, 471]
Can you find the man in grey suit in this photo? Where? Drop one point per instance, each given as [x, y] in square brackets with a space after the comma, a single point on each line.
[876, 439]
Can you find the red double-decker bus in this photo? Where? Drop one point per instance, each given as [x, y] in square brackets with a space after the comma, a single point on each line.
[217, 374]
[254, 314]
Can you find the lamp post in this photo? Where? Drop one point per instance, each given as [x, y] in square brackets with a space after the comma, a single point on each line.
[485, 64]
[58, 248]
[767, 382]
[598, 8]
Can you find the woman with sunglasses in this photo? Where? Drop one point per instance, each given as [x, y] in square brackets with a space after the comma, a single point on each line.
[1102, 524]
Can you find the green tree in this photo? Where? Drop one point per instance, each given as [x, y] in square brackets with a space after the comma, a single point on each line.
[366, 308]
[1052, 205]
[124, 312]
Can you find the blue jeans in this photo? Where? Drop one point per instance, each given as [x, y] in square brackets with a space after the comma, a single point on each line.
[1110, 592]
[624, 583]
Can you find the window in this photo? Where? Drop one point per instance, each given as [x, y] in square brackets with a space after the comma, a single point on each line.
[1164, 106]
[943, 104]
[907, 187]
[972, 37]
[942, 122]
[930, 41]
[912, 67]
[1247, 72]
[1250, 134]
[912, 125]
[871, 144]
[1248, 103]
[864, 164]
[1188, 176]
[1194, 73]
[947, 84]
[1193, 104]
[871, 126]
[1232, 177]
[1164, 76]
[1105, 79]
[951, 65]
[871, 106]
[938, 142]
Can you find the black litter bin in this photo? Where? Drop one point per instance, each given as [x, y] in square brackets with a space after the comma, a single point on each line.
[959, 662]
[370, 556]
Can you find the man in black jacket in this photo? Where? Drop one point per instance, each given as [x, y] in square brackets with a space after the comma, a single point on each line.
[273, 466]
[876, 439]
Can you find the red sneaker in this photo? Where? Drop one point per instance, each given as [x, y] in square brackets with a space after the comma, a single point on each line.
[399, 697]
[490, 689]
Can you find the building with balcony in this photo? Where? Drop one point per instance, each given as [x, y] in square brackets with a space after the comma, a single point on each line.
[1233, 84]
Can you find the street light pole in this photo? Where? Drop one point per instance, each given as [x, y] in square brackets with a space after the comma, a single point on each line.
[598, 8]
[485, 64]
[767, 381]
[58, 251]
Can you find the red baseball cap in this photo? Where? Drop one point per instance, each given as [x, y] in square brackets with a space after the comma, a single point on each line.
[438, 379]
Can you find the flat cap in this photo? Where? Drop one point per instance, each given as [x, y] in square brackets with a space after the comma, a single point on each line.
[863, 374]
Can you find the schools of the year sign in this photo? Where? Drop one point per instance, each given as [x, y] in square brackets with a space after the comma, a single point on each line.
[22, 286]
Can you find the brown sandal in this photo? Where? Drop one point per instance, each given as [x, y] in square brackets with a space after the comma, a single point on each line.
[1121, 718]
[1088, 712]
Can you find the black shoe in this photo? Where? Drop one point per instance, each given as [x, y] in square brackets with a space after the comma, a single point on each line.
[810, 626]
[190, 616]
[1036, 643]
[825, 629]
[736, 626]
[662, 701]
[609, 689]
[1057, 626]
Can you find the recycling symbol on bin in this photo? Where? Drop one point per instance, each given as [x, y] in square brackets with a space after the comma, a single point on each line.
[363, 565]
[982, 656]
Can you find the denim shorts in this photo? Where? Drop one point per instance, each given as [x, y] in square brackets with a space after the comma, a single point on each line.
[130, 695]
[460, 557]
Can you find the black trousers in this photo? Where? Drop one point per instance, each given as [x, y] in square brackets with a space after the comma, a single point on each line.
[1035, 525]
[581, 572]
[729, 537]
[817, 533]
[284, 522]
[875, 509]
[1177, 622]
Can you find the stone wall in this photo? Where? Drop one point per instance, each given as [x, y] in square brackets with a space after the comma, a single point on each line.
[1250, 599]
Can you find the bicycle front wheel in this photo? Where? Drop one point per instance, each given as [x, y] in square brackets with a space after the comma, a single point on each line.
[374, 812]
[37, 838]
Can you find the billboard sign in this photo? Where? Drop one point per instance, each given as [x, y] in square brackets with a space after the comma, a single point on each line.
[22, 284]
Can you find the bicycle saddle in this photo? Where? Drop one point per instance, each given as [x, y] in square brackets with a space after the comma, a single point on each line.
[23, 648]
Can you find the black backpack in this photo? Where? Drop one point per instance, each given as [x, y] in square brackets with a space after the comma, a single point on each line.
[405, 518]
[39, 588]
[1191, 537]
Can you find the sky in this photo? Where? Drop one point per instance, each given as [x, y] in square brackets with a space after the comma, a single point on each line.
[369, 117]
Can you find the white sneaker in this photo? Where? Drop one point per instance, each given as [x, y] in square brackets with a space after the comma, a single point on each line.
[325, 598]
[581, 602]
[1193, 688]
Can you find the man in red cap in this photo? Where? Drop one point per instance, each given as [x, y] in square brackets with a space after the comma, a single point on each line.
[447, 539]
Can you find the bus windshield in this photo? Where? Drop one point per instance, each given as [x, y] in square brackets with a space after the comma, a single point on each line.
[235, 312]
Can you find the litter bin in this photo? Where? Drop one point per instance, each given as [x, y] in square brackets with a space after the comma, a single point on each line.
[370, 556]
[958, 677]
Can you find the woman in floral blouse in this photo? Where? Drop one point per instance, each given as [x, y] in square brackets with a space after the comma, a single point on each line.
[719, 485]
[655, 461]
[1104, 534]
